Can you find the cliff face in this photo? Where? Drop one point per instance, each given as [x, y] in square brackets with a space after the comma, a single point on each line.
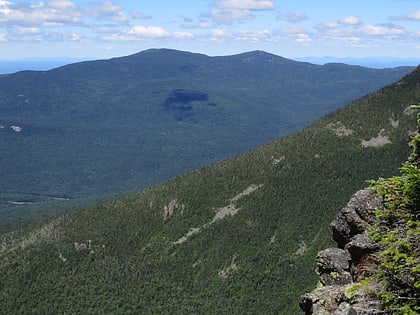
[341, 270]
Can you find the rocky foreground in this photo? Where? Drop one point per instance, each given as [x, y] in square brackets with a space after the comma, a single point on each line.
[342, 269]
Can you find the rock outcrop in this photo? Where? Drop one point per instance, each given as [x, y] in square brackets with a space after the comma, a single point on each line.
[341, 269]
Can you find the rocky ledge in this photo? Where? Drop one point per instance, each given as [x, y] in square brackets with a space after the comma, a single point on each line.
[341, 270]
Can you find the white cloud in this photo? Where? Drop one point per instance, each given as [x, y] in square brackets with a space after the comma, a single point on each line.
[61, 5]
[148, 32]
[97, 8]
[327, 25]
[119, 17]
[292, 17]
[52, 24]
[415, 16]
[302, 38]
[26, 30]
[220, 35]
[231, 15]
[346, 21]
[183, 35]
[293, 30]
[107, 10]
[350, 20]
[53, 11]
[229, 11]
[74, 37]
[246, 4]
[189, 24]
[139, 32]
[3, 38]
[140, 16]
[380, 30]
[254, 36]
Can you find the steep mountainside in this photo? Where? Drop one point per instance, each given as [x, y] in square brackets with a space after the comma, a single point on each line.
[119, 125]
[239, 236]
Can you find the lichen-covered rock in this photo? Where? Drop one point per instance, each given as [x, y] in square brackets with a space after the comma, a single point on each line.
[353, 260]
[356, 217]
[323, 300]
[333, 267]
[363, 254]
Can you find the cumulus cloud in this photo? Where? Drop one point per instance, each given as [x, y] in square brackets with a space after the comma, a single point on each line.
[183, 35]
[107, 10]
[53, 11]
[381, 30]
[24, 30]
[292, 17]
[246, 4]
[229, 16]
[138, 32]
[220, 35]
[254, 36]
[302, 38]
[148, 31]
[229, 11]
[349, 20]
[414, 16]
[346, 21]
[293, 30]
[58, 13]
[140, 16]
[192, 25]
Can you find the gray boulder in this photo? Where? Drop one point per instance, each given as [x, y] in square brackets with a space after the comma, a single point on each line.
[356, 217]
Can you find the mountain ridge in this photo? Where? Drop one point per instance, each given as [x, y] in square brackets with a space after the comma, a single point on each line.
[114, 126]
[270, 207]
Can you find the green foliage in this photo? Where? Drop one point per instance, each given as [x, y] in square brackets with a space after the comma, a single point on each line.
[258, 261]
[97, 129]
[399, 234]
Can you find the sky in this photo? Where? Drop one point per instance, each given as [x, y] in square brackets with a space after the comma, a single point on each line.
[291, 28]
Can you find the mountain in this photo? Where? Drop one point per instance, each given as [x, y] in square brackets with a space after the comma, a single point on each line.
[371, 62]
[234, 237]
[94, 130]
[43, 64]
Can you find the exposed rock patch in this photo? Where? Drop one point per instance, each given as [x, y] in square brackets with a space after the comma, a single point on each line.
[277, 160]
[378, 141]
[302, 249]
[341, 269]
[47, 233]
[169, 209]
[409, 111]
[395, 123]
[339, 129]
[225, 272]
[246, 191]
[229, 210]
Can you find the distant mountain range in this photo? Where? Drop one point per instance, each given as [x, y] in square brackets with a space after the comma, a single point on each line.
[89, 131]
[45, 64]
[371, 62]
[234, 237]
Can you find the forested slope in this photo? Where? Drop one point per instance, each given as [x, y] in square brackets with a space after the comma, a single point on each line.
[238, 236]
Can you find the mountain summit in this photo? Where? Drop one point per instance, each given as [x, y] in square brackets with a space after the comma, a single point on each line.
[73, 134]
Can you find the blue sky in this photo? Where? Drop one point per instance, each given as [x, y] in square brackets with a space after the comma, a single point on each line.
[292, 28]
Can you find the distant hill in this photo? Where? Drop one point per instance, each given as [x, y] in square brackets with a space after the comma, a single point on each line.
[93, 130]
[235, 237]
[39, 64]
[371, 62]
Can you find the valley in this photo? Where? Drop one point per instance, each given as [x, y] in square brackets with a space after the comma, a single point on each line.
[96, 130]
[230, 237]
